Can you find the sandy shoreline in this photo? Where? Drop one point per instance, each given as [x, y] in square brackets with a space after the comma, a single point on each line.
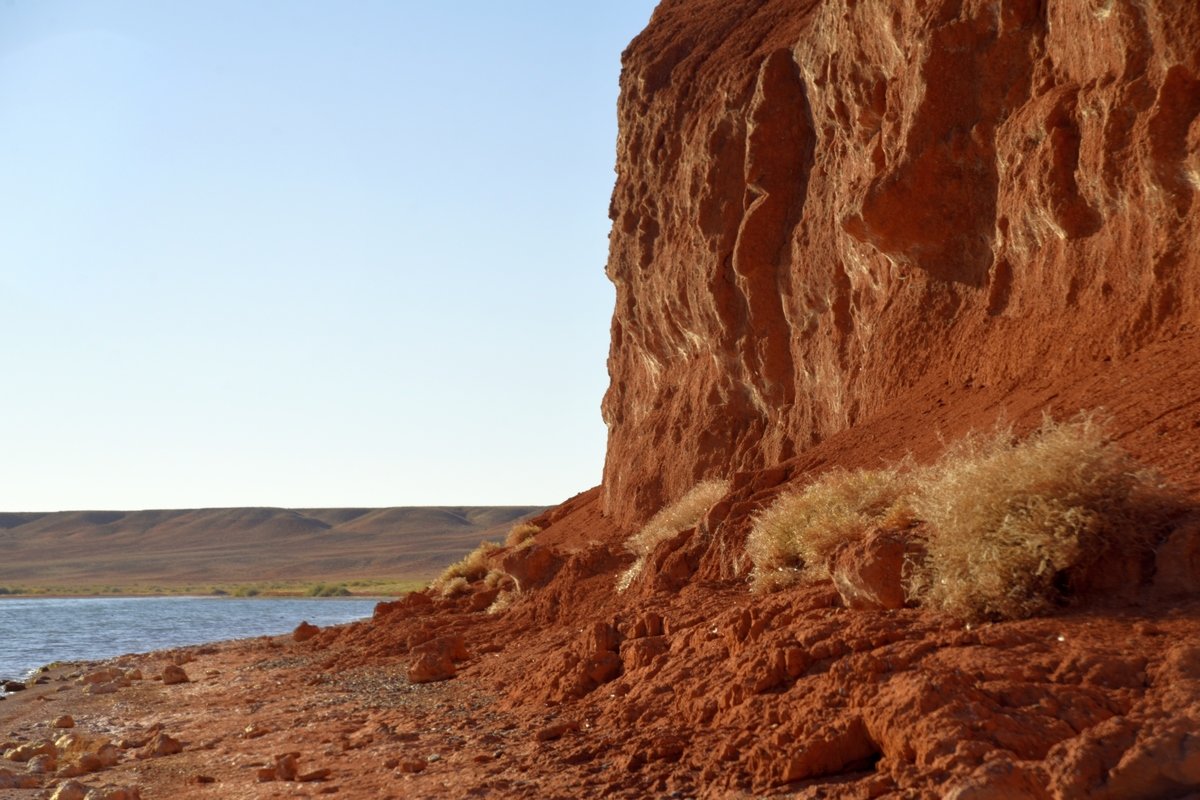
[245, 703]
[355, 732]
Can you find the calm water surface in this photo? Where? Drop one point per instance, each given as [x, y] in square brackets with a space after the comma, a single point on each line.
[37, 631]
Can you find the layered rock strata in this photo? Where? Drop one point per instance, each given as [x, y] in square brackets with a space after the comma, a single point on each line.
[821, 206]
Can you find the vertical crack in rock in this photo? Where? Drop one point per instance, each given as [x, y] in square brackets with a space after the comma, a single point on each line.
[779, 156]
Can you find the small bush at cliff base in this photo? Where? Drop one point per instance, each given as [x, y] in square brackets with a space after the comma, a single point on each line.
[795, 537]
[684, 513]
[1008, 524]
[503, 602]
[497, 578]
[454, 587]
[521, 534]
[471, 568]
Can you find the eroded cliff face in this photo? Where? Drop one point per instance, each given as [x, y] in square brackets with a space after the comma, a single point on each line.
[821, 206]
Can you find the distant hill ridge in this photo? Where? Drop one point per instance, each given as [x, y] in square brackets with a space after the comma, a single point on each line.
[242, 544]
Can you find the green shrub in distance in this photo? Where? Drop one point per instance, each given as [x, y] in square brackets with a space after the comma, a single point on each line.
[328, 590]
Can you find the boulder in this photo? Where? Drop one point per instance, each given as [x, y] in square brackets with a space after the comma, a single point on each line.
[431, 667]
[255, 730]
[113, 675]
[13, 780]
[482, 599]
[638, 653]
[531, 566]
[286, 766]
[602, 667]
[27, 751]
[70, 790]
[646, 624]
[160, 745]
[600, 662]
[434, 660]
[869, 573]
[86, 753]
[173, 674]
[41, 765]
[305, 631]
[315, 775]
[601, 637]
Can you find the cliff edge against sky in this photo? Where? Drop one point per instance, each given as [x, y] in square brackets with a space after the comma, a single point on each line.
[824, 206]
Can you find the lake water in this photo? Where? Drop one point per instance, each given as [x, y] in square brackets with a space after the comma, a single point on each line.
[37, 631]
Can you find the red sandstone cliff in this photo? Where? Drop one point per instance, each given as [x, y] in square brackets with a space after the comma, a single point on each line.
[822, 207]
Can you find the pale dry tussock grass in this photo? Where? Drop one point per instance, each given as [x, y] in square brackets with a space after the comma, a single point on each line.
[503, 601]
[470, 568]
[453, 587]
[521, 534]
[684, 513]
[1005, 521]
[795, 536]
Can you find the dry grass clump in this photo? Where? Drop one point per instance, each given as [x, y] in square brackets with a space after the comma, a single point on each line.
[471, 568]
[521, 534]
[494, 578]
[795, 536]
[684, 513]
[459, 576]
[455, 586]
[1007, 523]
[502, 602]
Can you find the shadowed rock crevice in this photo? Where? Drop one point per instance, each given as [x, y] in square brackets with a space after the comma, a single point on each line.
[779, 157]
[1173, 143]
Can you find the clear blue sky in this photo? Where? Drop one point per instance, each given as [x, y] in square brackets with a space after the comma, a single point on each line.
[304, 253]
